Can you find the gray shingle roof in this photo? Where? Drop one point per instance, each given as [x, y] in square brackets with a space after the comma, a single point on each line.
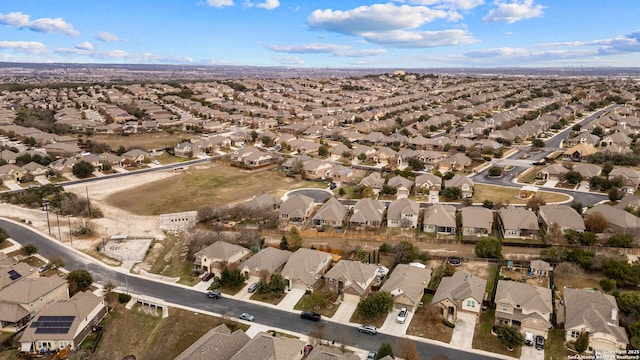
[331, 211]
[477, 217]
[218, 343]
[563, 215]
[440, 215]
[267, 347]
[460, 286]
[526, 297]
[408, 281]
[356, 275]
[268, 259]
[518, 218]
[593, 310]
[306, 265]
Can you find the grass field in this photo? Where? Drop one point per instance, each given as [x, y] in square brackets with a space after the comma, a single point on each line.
[145, 141]
[506, 195]
[155, 338]
[215, 185]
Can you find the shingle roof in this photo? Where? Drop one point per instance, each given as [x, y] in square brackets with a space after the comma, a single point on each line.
[296, 206]
[408, 281]
[563, 215]
[518, 218]
[331, 211]
[218, 343]
[440, 215]
[221, 250]
[27, 290]
[477, 217]
[460, 286]
[367, 210]
[529, 298]
[306, 265]
[402, 206]
[593, 310]
[268, 347]
[357, 275]
[268, 259]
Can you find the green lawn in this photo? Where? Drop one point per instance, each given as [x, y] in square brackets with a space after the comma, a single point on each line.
[554, 346]
[491, 279]
[320, 301]
[269, 298]
[483, 339]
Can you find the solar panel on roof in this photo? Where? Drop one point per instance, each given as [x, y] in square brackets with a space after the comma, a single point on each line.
[52, 324]
[13, 275]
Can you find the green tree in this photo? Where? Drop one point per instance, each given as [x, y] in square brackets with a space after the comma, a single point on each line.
[79, 280]
[539, 143]
[488, 204]
[489, 248]
[622, 240]
[573, 177]
[607, 284]
[377, 304]
[510, 336]
[323, 151]
[618, 270]
[284, 243]
[452, 193]
[3, 235]
[384, 350]
[121, 150]
[495, 171]
[577, 206]
[634, 335]
[582, 343]
[615, 194]
[629, 303]
[29, 249]
[296, 239]
[405, 252]
[278, 283]
[82, 169]
[231, 278]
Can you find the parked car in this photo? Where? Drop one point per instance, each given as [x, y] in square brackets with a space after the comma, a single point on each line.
[310, 315]
[528, 338]
[307, 349]
[43, 268]
[368, 329]
[252, 287]
[540, 342]
[215, 294]
[208, 276]
[333, 186]
[402, 316]
[246, 316]
[371, 355]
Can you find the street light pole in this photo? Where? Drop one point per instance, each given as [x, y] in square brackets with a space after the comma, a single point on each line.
[45, 204]
[58, 212]
[105, 236]
[70, 236]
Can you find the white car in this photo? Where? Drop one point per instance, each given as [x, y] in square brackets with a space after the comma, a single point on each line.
[402, 316]
[246, 316]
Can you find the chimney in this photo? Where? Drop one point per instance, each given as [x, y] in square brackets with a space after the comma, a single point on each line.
[614, 314]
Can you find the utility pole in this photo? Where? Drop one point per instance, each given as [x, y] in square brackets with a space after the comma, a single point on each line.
[45, 204]
[70, 236]
[58, 212]
[88, 202]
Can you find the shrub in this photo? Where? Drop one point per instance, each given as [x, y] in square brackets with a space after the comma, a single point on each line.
[607, 284]
[123, 298]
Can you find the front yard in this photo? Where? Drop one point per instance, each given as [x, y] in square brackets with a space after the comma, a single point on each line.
[427, 323]
[322, 301]
[483, 339]
[554, 346]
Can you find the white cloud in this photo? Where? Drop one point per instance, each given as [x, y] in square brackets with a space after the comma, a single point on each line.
[417, 39]
[450, 4]
[85, 45]
[107, 37]
[269, 4]
[29, 47]
[46, 25]
[219, 3]
[374, 18]
[335, 49]
[293, 60]
[123, 56]
[309, 48]
[514, 11]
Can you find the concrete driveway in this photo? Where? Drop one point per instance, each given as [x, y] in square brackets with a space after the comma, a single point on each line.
[462, 337]
[530, 353]
[244, 293]
[345, 311]
[291, 299]
[550, 183]
[392, 327]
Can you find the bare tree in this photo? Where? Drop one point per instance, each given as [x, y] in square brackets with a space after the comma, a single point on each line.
[408, 350]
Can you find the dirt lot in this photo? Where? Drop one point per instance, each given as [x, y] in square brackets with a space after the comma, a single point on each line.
[213, 184]
[509, 195]
[145, 141]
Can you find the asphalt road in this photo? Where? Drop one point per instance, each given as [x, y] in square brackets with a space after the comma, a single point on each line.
[196, 300]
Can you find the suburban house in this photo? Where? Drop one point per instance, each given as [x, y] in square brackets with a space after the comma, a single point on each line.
[251, 156]
[597, 315]
[464, 183]
[552, 172]
[407, 284]
[517, 222]
[263, 202]
[266, 346]
[620, 221]
[523, 305]
[22, 299]
[460, 296]
[215, 257]
[317, 169]
[401, 184]
[185, 149]
[305, 268]
[367, 213]
[134, 157]
[373, 180]
[631, 178]
[476, 221]
[579, 152]
[219, 343]
[457, 161]
[296, 209]
[267, 262]
[540, 268]
[10, 271]
[351, 279]
[562, 215]
[440, 219]
[331, 213]
[324, 352]
[587, 170]
[403, 213]
[425, 182]
[63, 324]
[12, 172]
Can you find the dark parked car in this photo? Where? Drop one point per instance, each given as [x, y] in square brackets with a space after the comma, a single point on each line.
[539, 342]
[208, 276]
[215, 294]
[310, 315]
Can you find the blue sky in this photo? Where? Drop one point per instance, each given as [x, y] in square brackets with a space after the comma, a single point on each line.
[329, 33]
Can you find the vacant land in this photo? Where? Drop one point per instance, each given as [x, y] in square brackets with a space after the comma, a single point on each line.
[145, 141]
[156, 338]
[506, 195]
[214, 184]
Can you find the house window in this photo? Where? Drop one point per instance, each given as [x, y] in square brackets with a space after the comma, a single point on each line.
[471, 303]
[505, 307]
[575, 334]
